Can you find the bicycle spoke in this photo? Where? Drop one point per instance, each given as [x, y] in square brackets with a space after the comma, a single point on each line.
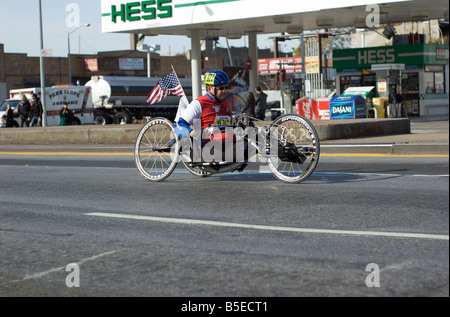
[154, 142]
[298, 148]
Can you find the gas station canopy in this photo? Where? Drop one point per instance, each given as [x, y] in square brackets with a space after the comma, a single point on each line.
[235, 18]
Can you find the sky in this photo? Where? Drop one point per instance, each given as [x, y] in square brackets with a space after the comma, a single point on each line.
[20, 30]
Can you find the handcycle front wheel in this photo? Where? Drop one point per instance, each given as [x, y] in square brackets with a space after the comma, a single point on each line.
[295, 148]
[156, 152]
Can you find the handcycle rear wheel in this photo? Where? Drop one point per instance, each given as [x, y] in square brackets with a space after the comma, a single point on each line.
[156, 152]
[295, 142]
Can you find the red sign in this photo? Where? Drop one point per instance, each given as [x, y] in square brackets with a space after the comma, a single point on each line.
[304, 108]
[321, 108]
[292, 65]
[91, 65]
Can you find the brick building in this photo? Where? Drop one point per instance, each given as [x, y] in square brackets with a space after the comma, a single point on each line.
[22, 71]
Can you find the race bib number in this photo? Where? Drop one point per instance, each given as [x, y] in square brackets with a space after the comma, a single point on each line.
[222, 121]
[209, 78]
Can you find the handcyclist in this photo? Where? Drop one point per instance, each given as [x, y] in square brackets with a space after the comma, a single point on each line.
[211, 110]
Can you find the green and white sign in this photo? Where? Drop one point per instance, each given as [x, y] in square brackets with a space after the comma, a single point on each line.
[140, 10]
[434, 96]
[129, 15]
[122, 15]
[415, 54]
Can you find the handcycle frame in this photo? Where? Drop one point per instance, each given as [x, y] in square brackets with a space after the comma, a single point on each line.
[290, 147]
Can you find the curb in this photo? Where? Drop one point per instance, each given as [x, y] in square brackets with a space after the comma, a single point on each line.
[126, 134]
[366, 128]
[387, 149]
[327, 130]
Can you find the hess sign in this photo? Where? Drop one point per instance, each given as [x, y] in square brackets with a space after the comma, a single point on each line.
[141, 10]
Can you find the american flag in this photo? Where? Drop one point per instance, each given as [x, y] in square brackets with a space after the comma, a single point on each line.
[166, 86]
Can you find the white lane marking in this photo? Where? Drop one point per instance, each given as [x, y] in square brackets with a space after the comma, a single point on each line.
[272, 228]
[380, 174]
[41, 274]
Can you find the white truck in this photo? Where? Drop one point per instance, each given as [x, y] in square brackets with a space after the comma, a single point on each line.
[78, 98]
[119, 99]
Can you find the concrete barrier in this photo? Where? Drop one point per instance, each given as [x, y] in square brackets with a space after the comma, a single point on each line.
[126, 134]
[349, 129]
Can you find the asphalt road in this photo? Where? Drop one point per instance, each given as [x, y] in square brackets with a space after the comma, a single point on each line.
[357, 222]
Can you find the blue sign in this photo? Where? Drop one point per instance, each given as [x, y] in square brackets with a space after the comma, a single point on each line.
[347, 107]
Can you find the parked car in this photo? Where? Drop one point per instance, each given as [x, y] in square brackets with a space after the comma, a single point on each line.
[273, 110]
[13, 103]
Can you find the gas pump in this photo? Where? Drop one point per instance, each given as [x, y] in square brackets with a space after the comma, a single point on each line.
[296, 90]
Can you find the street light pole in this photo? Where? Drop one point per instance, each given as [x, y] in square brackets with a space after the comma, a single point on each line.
[68, 56]
[149, 64]
[42, 70]
[68, 51]
[150, 49]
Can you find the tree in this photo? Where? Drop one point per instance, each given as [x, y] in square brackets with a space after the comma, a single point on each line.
[339, 38]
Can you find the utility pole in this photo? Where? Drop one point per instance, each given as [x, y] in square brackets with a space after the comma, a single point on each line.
[321, 36]
[276, 40]
[42, 70]
[68, 51]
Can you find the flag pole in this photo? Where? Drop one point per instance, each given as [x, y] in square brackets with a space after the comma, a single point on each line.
[183, 102]
[176, 75]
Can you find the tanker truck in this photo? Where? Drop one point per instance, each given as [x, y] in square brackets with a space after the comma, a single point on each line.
[119, 99]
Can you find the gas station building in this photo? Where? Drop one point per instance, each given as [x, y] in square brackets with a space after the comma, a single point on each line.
[416, 73]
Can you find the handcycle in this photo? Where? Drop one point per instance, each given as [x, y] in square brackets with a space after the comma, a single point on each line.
[289, 146]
